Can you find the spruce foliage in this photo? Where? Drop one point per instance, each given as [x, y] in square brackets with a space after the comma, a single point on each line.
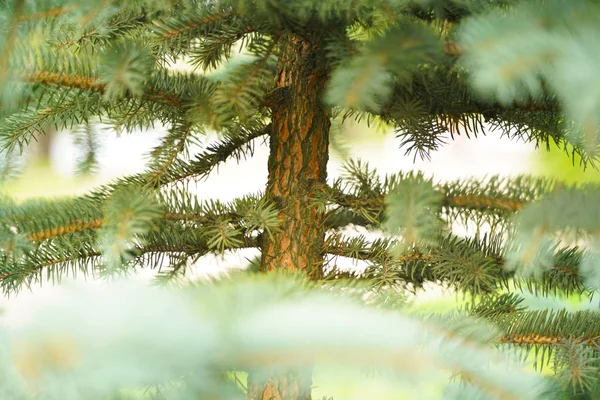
[427, 68]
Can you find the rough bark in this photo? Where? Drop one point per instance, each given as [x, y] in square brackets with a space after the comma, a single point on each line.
[298, 161]
[290, 385]
[297, 167]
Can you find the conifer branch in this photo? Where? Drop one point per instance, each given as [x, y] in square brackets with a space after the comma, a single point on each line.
[73, 227]
[243, 84]
[10, 40]
[249, 213]
[453, 261]
[360, 197]
[51, 13]
[61, 79]
[89, 83]
[170, 33]
[179, 133]
[213, 48]
[483, 203]
[438, 102]
[88, 225]
[22, 272]
[87, 259]
[537, 339]
[20, 128]
[205, 162]
[469, 202]
[347, 250]
[550, 330]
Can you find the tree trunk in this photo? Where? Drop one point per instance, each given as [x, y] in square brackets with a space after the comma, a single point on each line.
[298, 162]
[290, 385]
[297, 167]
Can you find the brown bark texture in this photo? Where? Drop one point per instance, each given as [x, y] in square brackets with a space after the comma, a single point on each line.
[290, 385]
[298, 161]
[298, 158]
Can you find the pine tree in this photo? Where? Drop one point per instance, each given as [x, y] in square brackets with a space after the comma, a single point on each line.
[425, 68]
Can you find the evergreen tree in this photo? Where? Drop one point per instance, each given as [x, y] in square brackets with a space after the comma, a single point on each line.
[423, 67]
